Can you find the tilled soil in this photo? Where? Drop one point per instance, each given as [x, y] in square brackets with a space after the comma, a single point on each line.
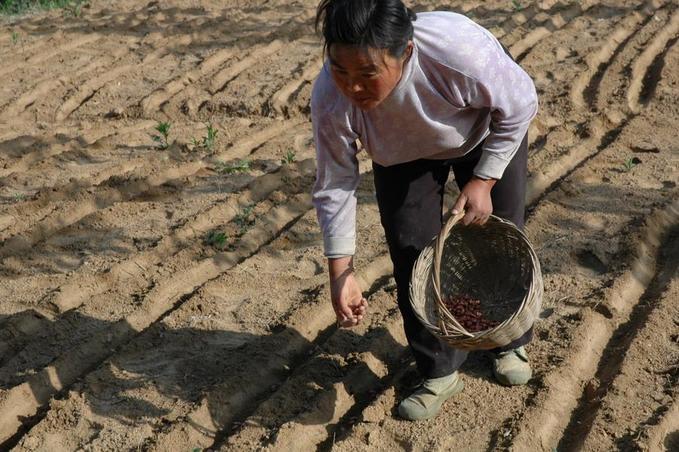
[174, 299]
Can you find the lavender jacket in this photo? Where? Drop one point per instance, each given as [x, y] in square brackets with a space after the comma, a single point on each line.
[458, 89]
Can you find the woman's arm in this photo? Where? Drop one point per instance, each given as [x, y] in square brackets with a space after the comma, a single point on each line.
[337, 174]
[333, 196]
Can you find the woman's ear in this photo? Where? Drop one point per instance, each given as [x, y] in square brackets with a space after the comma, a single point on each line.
[409, 50]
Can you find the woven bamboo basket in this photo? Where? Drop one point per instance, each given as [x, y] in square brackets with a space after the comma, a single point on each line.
[494, 263]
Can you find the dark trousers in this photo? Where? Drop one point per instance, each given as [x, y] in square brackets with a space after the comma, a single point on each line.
[410, 200]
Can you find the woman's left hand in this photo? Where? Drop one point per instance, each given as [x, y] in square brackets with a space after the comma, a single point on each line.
[475, 199]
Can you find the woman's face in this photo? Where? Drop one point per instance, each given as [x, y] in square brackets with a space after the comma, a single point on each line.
[365, 76]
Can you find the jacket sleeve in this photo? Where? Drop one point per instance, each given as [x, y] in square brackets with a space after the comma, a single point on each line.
[337, 173]
[478, 74]
[508, 92]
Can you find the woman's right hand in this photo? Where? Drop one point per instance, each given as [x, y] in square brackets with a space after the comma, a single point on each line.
[345, 293]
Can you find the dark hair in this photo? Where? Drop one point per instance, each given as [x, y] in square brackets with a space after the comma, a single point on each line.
[379, 24]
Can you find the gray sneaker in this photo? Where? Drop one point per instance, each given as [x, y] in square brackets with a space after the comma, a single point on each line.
[512, 367]
[426, 401]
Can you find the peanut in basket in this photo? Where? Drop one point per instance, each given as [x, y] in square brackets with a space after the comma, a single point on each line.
[467, 311]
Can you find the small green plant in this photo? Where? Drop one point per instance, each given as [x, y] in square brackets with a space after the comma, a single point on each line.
[516, 5]
[208, 141]
[18, 197]
[244, 219]
[289, 157]
[241, 166]
[163, 128]
[217, 239]
[210, 137]
[630, 163]
[15, 38]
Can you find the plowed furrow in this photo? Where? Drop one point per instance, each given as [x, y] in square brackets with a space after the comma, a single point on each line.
[552, 171]
[136, 268]
[87, 204]
[240, 98]
[70, 44]
[564, 386]
[222, 406]
[155, 100]
[144, 270]
[224, 76]
[646, 70]
[522, 47]
[48, 147]
[203, 323]
[625, 355]
[244, 147]
[282, 99]
[523, 16]
[664, 434]
[24, 400]
[353, 383]
[89, 88]
[614, 87]
[22, 49]
[191, 324]
[27, 99]
[54, 146]
[73, 68]
[25, 216]
[188, 102]
[376, 271]
[585, 88]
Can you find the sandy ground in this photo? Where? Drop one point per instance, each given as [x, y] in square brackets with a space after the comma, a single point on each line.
[124, 327]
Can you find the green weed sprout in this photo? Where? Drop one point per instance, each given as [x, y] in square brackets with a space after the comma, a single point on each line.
[289, 157]
[163, 128]
[210, 137]
[15, 38]
[208, 141]
[517, 6]
[630, 163]
[217, 239]
[242, 166]
[18, 197]
[244, 219]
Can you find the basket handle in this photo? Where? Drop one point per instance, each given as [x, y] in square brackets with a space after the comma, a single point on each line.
[438, 252]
